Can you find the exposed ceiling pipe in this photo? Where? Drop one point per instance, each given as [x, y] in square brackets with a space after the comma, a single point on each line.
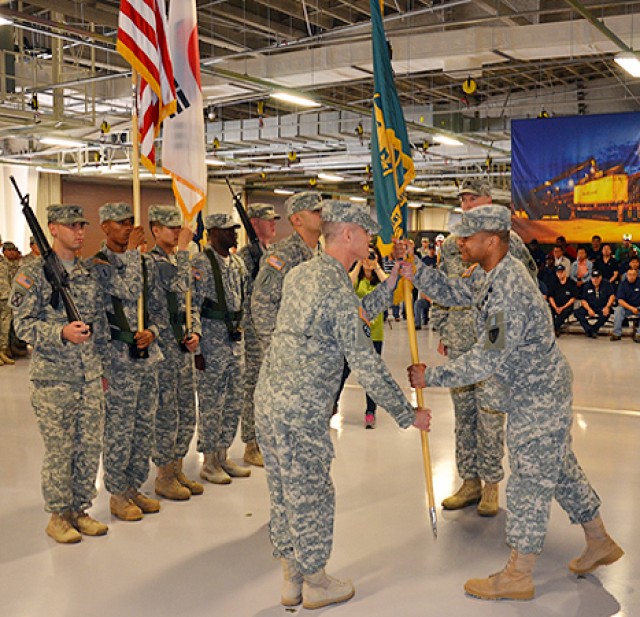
[596, 23]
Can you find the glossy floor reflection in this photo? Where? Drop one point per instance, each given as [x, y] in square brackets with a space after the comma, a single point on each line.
[211, 556]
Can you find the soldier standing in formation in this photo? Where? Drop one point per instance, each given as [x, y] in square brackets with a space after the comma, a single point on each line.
[303, 212]
[175, 418]
[516, 345]
[34, 255]
[478, 414]
[263, 218]
[320, 322]
[67, 373]
[5, 311]
[132, 397]
[220, 292]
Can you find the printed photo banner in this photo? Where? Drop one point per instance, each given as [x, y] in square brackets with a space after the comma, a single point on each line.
[576, 176]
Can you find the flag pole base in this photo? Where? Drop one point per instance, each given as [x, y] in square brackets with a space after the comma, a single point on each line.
[434, 522]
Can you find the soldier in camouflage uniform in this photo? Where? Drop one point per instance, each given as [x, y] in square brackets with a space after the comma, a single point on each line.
[303, 212]
[5, 311]
[220, 293]
[321, 321]
[34, 255]
[516, 345]
[479, 422]
[263, 218]
[67, 374]
[132, 397]
[14, 263]
[175, 418]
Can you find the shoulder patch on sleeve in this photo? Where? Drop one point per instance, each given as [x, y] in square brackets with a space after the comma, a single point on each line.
[366, 325]
[17, 298]
[469, 271]
[495, 338]
[275, 262]
[24, 281]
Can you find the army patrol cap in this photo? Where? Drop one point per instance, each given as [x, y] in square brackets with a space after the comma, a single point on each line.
[65, 214]
[266, 212]
[169, 216]
[308, 200]
[336, 211]
[483, 218]
[220, 221]
[475, 186]
[115, 211]
[9, 246]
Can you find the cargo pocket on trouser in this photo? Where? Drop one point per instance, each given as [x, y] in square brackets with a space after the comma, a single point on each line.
[310, 499]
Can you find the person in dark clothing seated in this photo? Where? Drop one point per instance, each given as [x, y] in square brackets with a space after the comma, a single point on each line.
[547, 275]
[597, 301]
[608, 266]
[562, 296]
[595, 251]
[628, 303]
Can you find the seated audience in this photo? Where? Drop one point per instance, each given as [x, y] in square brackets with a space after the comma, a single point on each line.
[581, 269]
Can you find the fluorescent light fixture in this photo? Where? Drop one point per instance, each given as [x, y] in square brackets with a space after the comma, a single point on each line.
[330, 177]
[414, 204]
[215, 163]
[5, 22]
[447, 141]
[283, 192]
[358, 199]
[51, 170]
[630, 62]
[121, 168]
[296, 99]
[60, 141]
[416, 189]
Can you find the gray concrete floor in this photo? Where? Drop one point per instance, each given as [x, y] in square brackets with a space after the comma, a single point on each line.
[211, 556]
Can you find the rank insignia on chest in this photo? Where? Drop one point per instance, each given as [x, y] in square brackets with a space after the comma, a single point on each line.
[24, 281]
[275, 262]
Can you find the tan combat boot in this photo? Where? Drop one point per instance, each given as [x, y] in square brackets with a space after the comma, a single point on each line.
[1, 362]
[86, 524]
[123, 508]
[6, 358]
[148, 505]
[512, 583]
[211, 470]
[601, 549]
[195, 488]
[235, 471]
[167, 484]
[61, 530]
[319, 589]
[488, 505]
[252, 454]
[468, 494]
[291, 583]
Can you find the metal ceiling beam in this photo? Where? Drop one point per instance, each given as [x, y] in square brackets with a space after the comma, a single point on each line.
[596, 23]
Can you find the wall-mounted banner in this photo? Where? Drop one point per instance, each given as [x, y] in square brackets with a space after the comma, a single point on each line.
[577, 177]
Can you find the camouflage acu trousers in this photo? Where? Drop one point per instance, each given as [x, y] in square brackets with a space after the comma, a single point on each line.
[253, 360]
[132, 399]
[302, 496]
[479, 431]
[542, 469]
[5, 324]
[70, 418]
[175, 418]
[220, 396]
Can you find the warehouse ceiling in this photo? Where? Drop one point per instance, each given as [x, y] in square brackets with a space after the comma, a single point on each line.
[527, 57]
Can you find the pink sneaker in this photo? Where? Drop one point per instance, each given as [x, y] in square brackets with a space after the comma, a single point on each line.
[369, 420]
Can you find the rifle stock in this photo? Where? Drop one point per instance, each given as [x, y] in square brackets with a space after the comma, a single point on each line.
[53, 269]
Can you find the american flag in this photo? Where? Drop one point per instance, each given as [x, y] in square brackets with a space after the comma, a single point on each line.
[142, 41]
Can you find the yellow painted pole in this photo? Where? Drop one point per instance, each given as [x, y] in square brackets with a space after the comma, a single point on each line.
[135, 162]
[424, 436]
